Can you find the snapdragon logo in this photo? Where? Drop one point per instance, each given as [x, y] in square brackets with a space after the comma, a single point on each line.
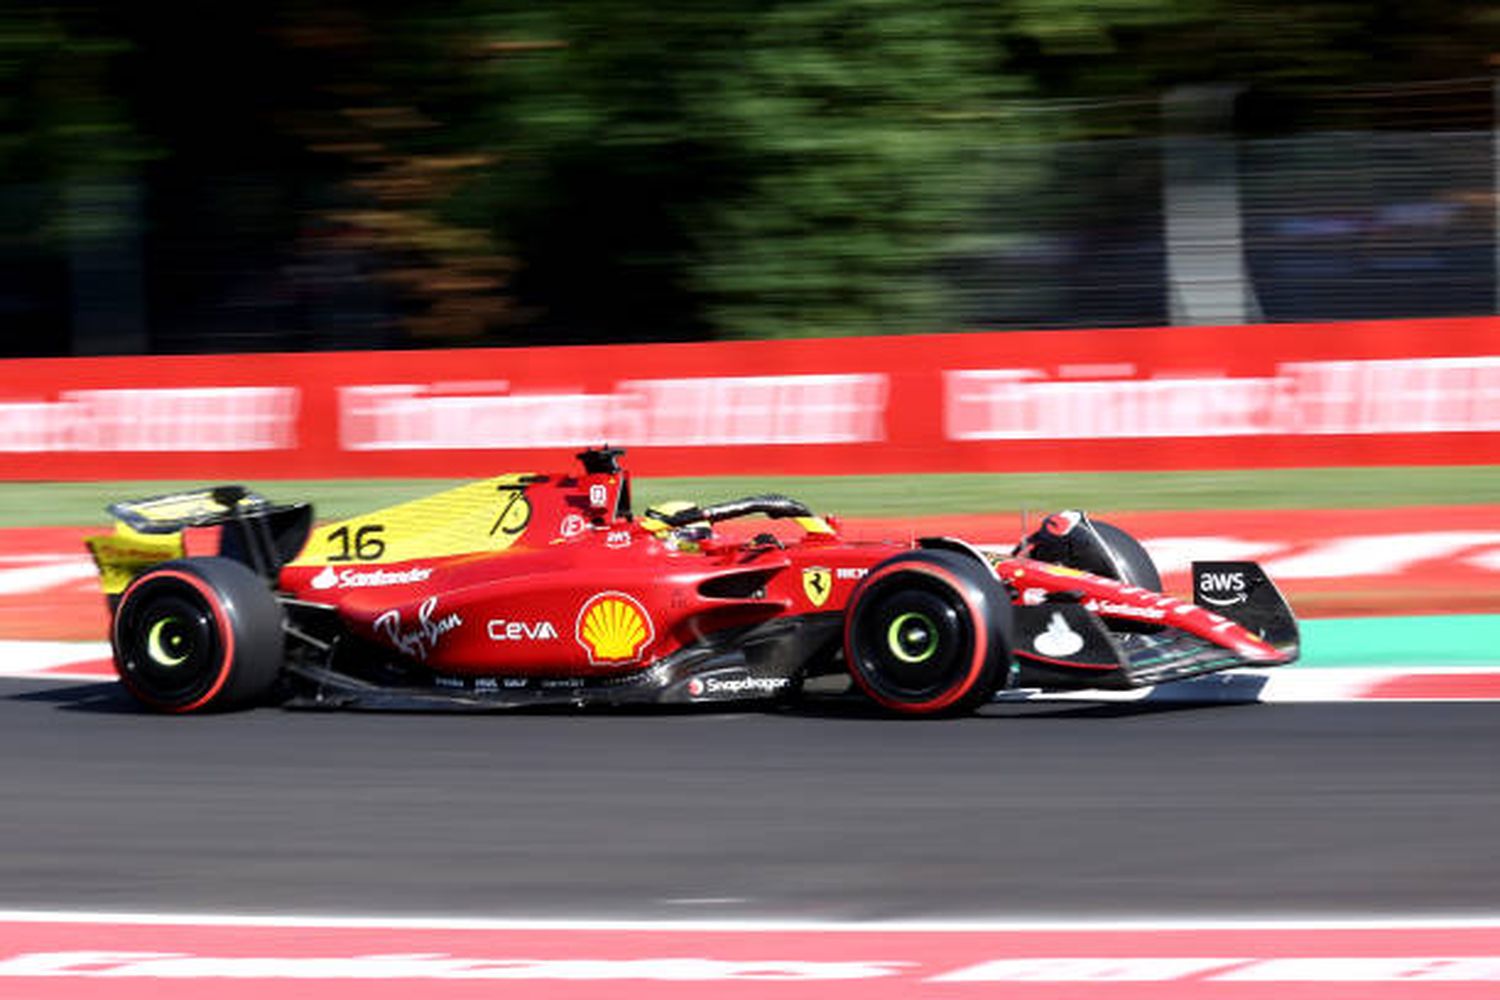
[700, 686]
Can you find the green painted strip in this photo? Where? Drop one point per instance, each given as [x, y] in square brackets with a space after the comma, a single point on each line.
[1424, 640]
[35, 504]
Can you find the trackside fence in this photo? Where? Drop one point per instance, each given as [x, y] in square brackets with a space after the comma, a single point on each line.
[1361, 393]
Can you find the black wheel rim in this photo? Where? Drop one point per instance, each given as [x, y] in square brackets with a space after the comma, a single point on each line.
[170, 644]
[913, 639]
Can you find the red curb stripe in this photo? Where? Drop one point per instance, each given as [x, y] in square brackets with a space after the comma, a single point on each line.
[1457, 686]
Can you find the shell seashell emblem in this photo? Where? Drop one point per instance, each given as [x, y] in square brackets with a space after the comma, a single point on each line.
[614, 628]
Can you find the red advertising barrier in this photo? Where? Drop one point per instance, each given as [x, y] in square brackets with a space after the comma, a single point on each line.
[1408, 392]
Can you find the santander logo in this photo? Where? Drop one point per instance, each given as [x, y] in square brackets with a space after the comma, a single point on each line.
[350, 579]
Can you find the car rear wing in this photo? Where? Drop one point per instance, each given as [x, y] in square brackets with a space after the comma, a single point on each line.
[255, 531]
[174, 512]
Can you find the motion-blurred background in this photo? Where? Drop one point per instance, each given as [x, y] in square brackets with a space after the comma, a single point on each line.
[1181, 261]
[293, 175]
[1223, 271]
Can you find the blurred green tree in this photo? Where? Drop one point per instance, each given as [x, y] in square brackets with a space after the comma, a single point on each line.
[60, 111]
[599, 169]
[70, 155]
[741, 169]
[857, 135]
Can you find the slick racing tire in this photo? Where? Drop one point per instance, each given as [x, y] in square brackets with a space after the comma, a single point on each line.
[198, 635]
[928, 634]
[1135, 563]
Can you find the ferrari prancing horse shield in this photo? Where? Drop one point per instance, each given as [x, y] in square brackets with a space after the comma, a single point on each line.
[817, 583]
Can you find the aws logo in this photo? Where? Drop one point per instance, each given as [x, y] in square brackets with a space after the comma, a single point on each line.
[614, 628]
[1223, 589]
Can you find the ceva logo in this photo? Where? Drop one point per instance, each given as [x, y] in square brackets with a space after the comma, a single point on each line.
[503, 630]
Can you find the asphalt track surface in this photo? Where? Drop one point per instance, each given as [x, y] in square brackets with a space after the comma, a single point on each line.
[1030, 811]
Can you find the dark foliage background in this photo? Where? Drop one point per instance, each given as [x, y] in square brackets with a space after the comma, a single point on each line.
[297, 175]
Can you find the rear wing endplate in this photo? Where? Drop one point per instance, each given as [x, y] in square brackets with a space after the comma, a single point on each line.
[263, 535]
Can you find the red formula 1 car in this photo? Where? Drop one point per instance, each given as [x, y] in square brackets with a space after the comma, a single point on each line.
[545, 589]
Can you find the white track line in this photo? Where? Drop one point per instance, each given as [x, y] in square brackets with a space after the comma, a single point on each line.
[1267, 686]
[49, 575]
[27, 657]
[1143, 923]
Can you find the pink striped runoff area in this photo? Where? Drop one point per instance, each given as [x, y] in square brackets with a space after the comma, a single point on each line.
[56, 956]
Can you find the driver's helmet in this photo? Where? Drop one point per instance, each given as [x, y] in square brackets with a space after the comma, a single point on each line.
[686, 537]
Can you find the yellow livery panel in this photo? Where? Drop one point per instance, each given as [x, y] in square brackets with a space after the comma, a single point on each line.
[487, 516]
[128, 553]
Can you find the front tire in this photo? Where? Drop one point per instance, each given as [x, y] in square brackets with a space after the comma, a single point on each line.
[1132, 563]
[928, 633]
[195, 635]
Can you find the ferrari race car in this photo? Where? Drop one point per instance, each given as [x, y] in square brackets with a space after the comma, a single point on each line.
[545, 589]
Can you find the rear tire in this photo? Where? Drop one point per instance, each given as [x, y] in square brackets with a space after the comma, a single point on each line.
[198, 635]
[928, 634]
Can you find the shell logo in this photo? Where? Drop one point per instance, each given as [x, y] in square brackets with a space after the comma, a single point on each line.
[614, 628]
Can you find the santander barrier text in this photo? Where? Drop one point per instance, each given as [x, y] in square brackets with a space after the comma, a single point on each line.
[1380, 393]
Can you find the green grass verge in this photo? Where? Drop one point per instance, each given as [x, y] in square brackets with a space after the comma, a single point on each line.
[33, 504]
